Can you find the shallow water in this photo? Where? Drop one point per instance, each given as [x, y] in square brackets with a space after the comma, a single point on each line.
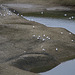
[51, 22]
[66, 68]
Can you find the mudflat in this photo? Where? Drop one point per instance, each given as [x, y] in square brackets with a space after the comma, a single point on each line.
[27, 46]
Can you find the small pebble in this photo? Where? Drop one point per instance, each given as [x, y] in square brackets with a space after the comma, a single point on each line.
[39, 36]
[9, 13]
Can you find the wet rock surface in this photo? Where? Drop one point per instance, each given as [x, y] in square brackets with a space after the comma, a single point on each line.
[30, 46]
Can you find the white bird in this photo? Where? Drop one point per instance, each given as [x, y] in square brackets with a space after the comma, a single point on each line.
[24, 51]
[18, 14]
[49, 38]
[43, 49]
[1, 14]
[33, 35]
[9, 11]
[72, 40]
[33, 26]
[72, 17]
[65, 14]
[69, 18]
[14, 10]
[61, 32]
[56, 49]
[44, 35]
[4, 15]
[38, 38]
[69, 33]
[43, 39]
[21, 15]
[42, 12]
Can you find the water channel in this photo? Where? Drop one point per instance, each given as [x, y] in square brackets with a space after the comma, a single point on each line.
[52, 22]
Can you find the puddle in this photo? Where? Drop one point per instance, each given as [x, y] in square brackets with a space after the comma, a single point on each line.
[51, 22]
[66, 68]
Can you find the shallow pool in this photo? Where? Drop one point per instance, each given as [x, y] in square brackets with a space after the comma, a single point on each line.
[51, 22]
[66, 68]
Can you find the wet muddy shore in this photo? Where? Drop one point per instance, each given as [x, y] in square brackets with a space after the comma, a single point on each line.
[31, 46]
